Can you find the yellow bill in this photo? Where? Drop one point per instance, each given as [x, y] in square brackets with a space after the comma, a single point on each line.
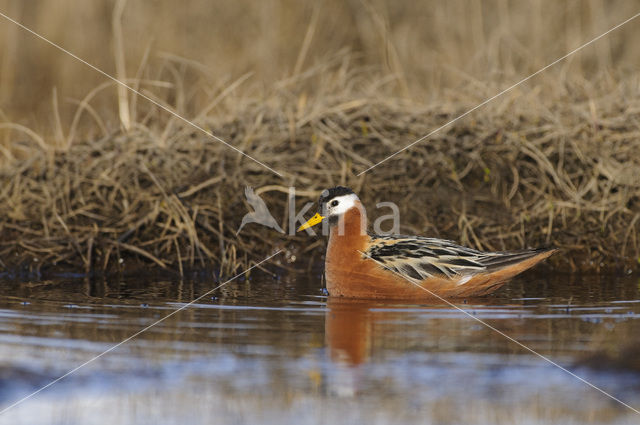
[311, 222]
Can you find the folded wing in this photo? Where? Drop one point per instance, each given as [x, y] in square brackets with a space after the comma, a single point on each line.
[418, 258]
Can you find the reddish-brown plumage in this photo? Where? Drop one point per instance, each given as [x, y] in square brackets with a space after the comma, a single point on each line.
[349, 273]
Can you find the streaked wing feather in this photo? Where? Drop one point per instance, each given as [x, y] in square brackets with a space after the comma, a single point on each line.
[418, 258]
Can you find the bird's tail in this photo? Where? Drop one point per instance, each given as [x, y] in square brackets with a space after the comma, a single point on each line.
[502, 267]
[500, 260]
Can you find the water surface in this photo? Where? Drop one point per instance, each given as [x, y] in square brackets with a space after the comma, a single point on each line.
[276, 350]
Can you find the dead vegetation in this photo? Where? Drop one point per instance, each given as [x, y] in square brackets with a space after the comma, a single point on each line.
[565, 177]
[554, 162]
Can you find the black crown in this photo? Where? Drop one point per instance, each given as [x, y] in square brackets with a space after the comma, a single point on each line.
[329, 194]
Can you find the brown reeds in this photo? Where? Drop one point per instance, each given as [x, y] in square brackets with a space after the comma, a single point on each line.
[174, 198]
[554, 162]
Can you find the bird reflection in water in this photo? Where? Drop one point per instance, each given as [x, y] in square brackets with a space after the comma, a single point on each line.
[348, 330]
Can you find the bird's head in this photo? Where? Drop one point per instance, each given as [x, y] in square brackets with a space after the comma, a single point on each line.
[333, 204]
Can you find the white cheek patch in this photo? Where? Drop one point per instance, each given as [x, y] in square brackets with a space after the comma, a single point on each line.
[345, 203]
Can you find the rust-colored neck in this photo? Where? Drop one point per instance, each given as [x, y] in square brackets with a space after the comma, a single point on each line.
[350, 236]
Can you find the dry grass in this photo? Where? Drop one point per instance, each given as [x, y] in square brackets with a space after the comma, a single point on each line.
[553, 162]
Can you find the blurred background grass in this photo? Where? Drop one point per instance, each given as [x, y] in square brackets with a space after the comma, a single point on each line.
[92, 173]
[427, 48]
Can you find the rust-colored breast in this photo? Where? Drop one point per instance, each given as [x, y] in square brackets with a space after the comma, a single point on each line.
[350, 274]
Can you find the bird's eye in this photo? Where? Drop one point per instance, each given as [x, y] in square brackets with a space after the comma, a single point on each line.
[334, 203]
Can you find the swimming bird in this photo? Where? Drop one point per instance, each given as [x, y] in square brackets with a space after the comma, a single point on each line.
[359, 264]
